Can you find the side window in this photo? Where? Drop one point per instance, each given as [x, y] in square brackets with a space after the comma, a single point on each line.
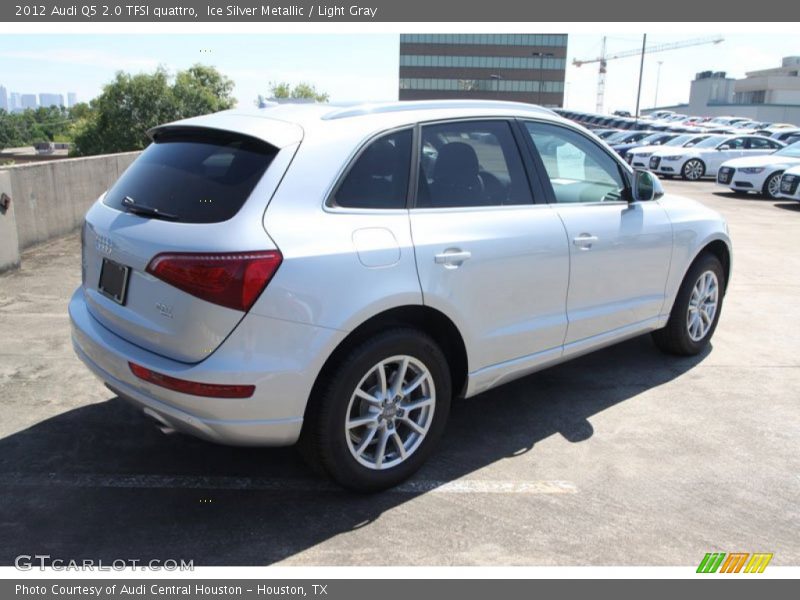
[471, 163]
[734, 144]
[379, 176]
[759, 144]
[579, 170]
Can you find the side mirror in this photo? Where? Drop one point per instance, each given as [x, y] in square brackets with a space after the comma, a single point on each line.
[646, 186]
[724, 147]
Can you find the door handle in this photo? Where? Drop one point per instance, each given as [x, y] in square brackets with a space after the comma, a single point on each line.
[584, 241]
[452, 258]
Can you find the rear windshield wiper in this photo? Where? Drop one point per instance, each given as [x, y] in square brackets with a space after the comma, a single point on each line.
[140, 209]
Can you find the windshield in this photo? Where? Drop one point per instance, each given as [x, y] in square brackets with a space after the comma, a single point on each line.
[678, 141]
[714, 140]
[194, 176]
[617, 136]
[792, 151]
[653, 139]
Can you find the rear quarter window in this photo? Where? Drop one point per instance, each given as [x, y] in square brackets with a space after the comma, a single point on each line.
[198, 176]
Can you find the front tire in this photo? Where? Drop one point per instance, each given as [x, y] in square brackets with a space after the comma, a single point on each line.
[696, 311]
[772, 186]
[693, 169]
[380, 408]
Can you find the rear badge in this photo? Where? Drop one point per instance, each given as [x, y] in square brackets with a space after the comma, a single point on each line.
[164, 309]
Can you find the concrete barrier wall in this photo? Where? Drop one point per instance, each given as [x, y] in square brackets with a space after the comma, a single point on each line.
[50, 199]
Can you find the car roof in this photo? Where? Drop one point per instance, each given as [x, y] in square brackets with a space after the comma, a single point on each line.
[284, 124]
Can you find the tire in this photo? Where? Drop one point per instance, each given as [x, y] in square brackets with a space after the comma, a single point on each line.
[680, 336]
[772, 186]
[330, 440]
[693, 169]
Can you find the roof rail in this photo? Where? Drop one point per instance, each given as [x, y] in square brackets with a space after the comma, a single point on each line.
[372, 109]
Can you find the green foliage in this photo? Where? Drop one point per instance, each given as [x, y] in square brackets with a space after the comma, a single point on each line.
[31, 126]
[118, 119]
[305, 91]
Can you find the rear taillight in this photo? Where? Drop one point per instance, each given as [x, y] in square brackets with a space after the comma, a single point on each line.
[209, 390]
[234, 280]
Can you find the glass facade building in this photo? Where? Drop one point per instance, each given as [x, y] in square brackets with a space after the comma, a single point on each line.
[524, 67]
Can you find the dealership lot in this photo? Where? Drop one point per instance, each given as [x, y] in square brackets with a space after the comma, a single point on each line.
[625, 456]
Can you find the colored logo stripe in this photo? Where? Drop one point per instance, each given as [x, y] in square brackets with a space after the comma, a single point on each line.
[734, 562]
[758, 563]
[711, 562]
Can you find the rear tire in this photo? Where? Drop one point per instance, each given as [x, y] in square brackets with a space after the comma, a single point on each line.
[696, 311]
[360, 427]
[772, 186]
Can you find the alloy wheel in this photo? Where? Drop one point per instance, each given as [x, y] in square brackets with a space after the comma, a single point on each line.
[390, 412]
[774, 186]
[702, 306]
[693, 170]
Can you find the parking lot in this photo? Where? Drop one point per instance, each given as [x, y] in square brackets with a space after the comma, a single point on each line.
[622, 457]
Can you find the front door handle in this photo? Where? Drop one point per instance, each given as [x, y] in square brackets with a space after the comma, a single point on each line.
[584, 241]
[452, 257]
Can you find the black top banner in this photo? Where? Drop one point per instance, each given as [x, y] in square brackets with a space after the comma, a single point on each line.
[453, 11]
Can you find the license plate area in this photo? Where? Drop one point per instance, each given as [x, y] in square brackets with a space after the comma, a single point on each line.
[114, 280]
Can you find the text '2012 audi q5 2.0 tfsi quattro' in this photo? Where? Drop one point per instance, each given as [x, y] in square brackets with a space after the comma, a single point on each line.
[335, 276]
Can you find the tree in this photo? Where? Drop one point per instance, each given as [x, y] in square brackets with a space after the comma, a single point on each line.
[118, 119]
[33, 125]
[301, 91]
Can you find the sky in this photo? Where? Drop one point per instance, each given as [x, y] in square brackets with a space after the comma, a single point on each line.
[361, 67]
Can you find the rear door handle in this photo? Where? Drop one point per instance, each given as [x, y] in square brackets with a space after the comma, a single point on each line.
[452, 257]
[584, 241]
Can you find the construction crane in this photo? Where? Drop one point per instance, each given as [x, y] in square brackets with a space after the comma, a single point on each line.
[604, 58]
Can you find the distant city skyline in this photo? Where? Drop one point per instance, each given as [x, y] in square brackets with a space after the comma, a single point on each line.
[12, 101]
[363, 67]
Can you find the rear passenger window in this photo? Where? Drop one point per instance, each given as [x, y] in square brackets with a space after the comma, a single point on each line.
[379, 176]
[471, 163]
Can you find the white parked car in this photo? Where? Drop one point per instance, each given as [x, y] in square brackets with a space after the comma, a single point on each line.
[790, 184]
[706, 157]
[640, 157]
[312, 273]
[760, 174]
[784, 134]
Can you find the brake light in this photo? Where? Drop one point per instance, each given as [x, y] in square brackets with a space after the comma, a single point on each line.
[209, 390]
[234, 279]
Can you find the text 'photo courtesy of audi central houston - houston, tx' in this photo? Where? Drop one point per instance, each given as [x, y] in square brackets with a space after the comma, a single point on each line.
[335, 276]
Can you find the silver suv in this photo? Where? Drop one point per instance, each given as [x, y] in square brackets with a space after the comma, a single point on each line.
[337, 275]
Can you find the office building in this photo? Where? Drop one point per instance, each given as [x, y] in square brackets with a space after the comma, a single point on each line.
[72, 99]
[28, 101]
[520, 67]
[47, 100]
[768, 95]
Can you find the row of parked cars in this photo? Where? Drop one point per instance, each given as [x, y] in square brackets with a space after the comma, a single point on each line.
[741, 154]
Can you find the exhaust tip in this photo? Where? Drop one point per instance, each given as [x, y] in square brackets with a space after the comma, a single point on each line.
[162, 424]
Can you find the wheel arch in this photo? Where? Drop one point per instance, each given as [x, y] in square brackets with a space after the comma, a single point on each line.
[719, 248]
[424, 318]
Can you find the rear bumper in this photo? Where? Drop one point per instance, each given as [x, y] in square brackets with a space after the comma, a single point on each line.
[281, 358]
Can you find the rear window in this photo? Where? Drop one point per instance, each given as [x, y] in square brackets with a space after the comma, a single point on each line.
[195, 176]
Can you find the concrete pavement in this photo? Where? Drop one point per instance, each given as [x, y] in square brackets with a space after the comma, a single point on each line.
[623, 457]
